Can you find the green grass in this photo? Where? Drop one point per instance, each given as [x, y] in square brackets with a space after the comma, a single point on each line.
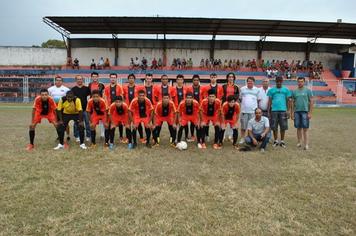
[165, 191]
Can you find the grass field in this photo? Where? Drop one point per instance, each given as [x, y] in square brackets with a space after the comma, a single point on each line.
[165, 191]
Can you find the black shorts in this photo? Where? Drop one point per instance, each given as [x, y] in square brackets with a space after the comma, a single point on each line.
[279, 118]
[68, 117]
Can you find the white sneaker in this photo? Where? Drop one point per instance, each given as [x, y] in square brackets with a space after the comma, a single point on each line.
[77, 140]
[275, 143]
[59, 146]
[199, 146]
[299, 145]
[87, 139]
[306, 147]
[82, 146]
[262, 150]
[242, 141]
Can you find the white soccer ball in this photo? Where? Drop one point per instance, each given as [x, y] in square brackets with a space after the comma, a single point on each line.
[182, 145]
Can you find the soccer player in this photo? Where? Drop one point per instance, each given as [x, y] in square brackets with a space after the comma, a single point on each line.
[95, 84]
[149, 87]
[164, 88]
[119, 116]
[69, 108]
[44, 107]
[230, 88]
[279, 106]
[214, 87]
[180, 90]
[111, 91]
[302, 108]
[195, 89]
[188, 112]
[210, 112]
[230, 116]
[97, 109]
[165, 111]
[141, 112]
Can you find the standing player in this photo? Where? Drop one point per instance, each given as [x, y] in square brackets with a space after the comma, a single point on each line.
[44, 107]
[141, 112]
[95, 84]
[98, 112]
[69, 108]
[210, 112]
[165, 111]
[195, 89]
[164, 88]
[188, 112]
[214, 87]
[111, 91]
[230, 116]
[180, 90]
[149, 87]
[119, 116]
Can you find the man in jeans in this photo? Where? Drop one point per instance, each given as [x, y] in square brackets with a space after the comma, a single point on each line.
[82, 92]
[302, 100]
[258, 131]
[279, 106]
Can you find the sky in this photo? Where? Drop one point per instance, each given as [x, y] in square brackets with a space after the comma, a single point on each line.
[21, 20]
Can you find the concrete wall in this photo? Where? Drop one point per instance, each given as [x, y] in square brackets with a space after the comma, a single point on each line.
[32, 56]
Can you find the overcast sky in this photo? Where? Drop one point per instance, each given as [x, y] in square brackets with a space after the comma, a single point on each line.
[21, 20]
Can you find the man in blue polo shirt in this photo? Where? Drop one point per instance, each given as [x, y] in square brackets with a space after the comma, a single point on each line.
[279, 107]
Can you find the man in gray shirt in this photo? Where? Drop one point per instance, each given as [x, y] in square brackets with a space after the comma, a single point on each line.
[258, 131]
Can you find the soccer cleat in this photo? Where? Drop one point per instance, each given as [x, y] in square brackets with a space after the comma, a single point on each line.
[191, 139]
[173, 145]
[143, 140]
[275, 143]
[155, 145]
[92, 146]
[299, 145]
[203, 146]
[200, 146]
[30, 147]
[262, 150]
[216, 146]
[124, 140]
[82, 146]
[130, 146]
[282, 144]
[106, 145]
[306, 147]
[59, 146]
[77, 140]
[111, 146]
[237, 147]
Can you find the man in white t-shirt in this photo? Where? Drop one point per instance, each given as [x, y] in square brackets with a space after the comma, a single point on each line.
[57, 91]
[249, 96]
[263, 103]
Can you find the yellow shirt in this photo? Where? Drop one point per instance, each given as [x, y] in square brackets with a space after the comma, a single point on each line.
[70, 107]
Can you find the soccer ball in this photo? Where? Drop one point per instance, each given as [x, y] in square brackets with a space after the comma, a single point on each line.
[182, 145]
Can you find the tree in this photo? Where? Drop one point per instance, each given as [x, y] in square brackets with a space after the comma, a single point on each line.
[53, 43]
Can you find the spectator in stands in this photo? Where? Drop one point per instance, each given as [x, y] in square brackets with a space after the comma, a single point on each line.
[101, 63]
[202, 64]
[184, 64]
[107, 63]
[190, 63]
[136, 63]
[132, 64]
[69, 62]
[154, 65]
[92, 65]
[76, 64]
[160, 64]
[144, 63]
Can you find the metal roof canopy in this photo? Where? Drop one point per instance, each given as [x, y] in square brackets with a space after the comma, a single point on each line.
[199, 26]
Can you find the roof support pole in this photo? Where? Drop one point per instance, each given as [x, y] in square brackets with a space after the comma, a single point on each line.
[164, 52]
[212, 47]
[69, 48]
[260, 48]
[307, 50]
[116, 48]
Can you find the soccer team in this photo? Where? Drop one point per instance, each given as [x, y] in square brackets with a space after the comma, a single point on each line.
[191, 109]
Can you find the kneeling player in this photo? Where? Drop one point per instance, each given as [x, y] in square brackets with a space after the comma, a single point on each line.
[165, 111]
[210, 112]
[230, 116]
[44, 107]
[69, 108]
[188, 112]
[98, 111]
[141, 112]
[119, 117]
